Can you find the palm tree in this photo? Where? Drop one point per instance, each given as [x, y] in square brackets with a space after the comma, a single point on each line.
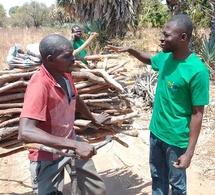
[115, 15]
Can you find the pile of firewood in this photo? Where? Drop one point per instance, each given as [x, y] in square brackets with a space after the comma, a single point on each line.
[101, 86]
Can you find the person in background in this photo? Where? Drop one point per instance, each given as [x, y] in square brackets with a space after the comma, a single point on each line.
[181, 93]
[47, 117]
[77, 41]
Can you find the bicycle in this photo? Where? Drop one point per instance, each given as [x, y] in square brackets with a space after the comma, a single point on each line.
[71, 169]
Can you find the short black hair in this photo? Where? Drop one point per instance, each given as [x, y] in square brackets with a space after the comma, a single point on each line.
[183, 23]
[74, 27]
[50, 44]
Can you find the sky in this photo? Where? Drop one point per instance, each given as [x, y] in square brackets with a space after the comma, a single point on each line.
[7, 4]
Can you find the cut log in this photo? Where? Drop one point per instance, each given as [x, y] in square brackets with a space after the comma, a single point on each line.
[104, 105]
[16, 84]
[83, 84]
[11, 105]
[97, 57]
[84, 123]
[18, 70]
[4, 144]
[116, 119]
[97, 95]
[117, 67]
[9, 97]
[107, 77]
[9, 122]
[10, 111]
[89, 76]
[80, 65]
[6, 78]
[9, 136]
[114, 100]
[4, 132]
[93, 89]
[117, 129]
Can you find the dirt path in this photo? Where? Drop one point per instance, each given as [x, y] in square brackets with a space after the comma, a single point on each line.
[125, 170]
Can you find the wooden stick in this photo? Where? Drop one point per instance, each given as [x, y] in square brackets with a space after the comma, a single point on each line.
[89, 76]
[11, 97]
[117, 67]
[103, 105]
[115, 100]
[93, 89]
[97, 57]
[11, 105]
[116, 119]
[10, 111]
[117, 129]
[107, 77]
[9, 122]
[83, 84]
[115, 111]
[9, 136]
[87, 42]
[14, 77]
[80, 64]
[9, 143]
[7, 131]
[18, 70]
[84, 123]
[97, 95]
[4, 118]
[16, 84]
[105, 63]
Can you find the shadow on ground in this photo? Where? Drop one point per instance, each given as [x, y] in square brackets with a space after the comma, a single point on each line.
[121, 182]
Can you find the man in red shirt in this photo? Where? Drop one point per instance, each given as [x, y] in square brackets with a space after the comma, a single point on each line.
[47, 117]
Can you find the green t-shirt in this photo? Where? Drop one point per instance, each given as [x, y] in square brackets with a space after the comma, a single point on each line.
[181, 85]
[76, 45]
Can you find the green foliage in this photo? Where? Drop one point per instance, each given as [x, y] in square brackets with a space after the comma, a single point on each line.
[199, 12]
[154, 14]
[207, 53]
[102, 39]
[31, 14]
[13, 10]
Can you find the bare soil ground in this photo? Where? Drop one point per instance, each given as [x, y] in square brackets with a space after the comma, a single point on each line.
[125, 170]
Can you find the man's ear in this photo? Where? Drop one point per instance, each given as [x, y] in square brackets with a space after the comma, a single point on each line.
[49, 59]
[184, 36]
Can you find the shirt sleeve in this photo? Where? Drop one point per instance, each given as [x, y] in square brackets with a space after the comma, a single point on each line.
[200, 88]
[35, 102]
[155, 62]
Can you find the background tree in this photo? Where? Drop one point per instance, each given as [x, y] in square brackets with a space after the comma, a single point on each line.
[3, 16]
[31, 14]
[58, 16]
[13, 10]
[154, 14]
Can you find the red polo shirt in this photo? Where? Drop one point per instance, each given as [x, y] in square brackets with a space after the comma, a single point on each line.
[47, 102]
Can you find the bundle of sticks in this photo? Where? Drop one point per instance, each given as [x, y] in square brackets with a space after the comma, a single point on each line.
[102, 87]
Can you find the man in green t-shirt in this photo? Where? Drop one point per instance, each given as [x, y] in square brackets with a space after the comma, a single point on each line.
[78, 41]
[182, 92]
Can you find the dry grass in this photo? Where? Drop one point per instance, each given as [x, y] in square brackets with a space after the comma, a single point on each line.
[142, 39]
[22, 36]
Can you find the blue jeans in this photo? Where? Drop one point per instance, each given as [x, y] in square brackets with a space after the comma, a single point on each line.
[163, 172]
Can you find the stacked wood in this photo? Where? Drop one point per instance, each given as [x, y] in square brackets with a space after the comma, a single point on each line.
[101, 89]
